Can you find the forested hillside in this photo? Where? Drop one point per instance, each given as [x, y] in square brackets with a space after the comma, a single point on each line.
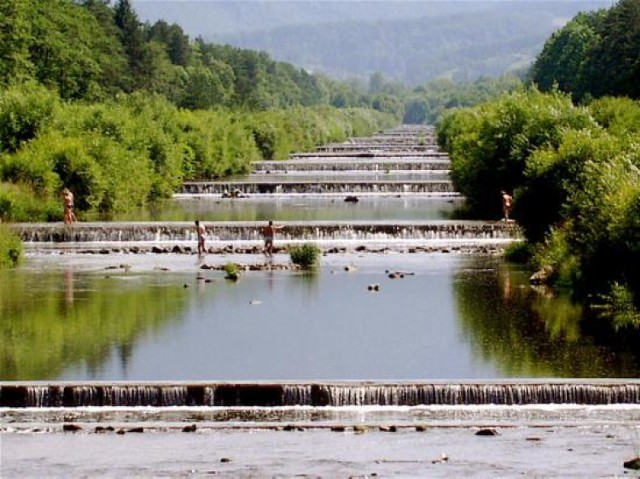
[208, 17]
[122, 112]
[481, 39]
[595, 54]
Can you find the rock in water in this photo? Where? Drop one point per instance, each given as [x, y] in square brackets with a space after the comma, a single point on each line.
[633, 464]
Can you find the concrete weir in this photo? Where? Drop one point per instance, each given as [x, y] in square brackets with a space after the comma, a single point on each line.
[326, 187]
[318, 394]
[243, 231]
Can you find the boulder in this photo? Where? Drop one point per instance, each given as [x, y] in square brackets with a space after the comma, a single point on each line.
[71, 428]
[542, 276]
[633, 464]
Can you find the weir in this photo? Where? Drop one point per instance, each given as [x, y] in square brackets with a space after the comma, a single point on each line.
[237, 231]
[342, 164]
[326, 187]
[357, 151]
[317, 394]
[321, 177]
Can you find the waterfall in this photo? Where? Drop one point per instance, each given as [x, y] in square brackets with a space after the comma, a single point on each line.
[318, 394]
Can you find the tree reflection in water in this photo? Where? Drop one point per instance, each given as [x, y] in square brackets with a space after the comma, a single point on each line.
[532, 333]
[56, 320]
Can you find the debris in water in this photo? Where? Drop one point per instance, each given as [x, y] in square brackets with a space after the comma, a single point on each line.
[443, 458]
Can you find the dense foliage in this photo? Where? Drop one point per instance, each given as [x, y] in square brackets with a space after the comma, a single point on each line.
[97, 149]
[595, 54]
[91, 98]
[575, 174]
[93, 50]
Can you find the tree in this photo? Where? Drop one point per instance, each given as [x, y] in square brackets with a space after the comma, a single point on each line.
[566, 55]
[15, 37]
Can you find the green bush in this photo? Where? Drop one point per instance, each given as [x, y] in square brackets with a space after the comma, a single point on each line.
[232, 271]
[491, 143]
[306, 256]
[19, 203]
[11, 250]
[619, 307]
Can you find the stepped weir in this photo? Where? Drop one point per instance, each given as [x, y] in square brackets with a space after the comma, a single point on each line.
[393, 152]
[54, 395]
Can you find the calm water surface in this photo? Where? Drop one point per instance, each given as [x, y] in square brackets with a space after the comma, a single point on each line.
[298, 208]
[81, 317]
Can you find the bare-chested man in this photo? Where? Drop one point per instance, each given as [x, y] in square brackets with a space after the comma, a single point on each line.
[507, 203]
[201, 231]
[67, 198]
[268, 232]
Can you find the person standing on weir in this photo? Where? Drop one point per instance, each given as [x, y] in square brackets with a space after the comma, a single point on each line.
[200, 230]
[268, 232]
[67, 200]
[507, 203]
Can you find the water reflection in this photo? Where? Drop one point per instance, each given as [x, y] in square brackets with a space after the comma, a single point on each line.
[54, 320]
[295, 209]
[529, 333]
[458, 317]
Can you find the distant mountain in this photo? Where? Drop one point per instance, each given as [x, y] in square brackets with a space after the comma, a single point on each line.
[222, 17]
[408, 41]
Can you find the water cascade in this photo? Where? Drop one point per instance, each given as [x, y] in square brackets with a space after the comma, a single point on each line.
[339, 164]
[17, 395]
[251, 231]
[327, 187]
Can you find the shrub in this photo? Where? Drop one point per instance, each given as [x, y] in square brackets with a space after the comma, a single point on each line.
[18, 203]
[232, 271]
[10, 248]
[306, 255]
[619, 307]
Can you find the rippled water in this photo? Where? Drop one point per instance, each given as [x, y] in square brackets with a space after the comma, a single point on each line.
[427, 442]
